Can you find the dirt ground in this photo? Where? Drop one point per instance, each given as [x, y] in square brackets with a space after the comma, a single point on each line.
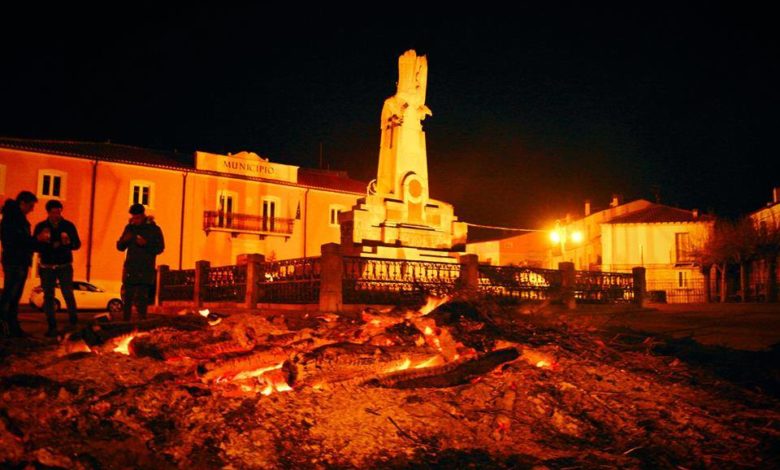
[672, 387]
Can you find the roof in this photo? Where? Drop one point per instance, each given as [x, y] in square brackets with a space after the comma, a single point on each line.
[658, 213]
[328, 179]
[104, 151]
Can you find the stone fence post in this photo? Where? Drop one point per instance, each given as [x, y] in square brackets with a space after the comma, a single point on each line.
[568, 281]
[162, 272]
[640, 286]
[201, 282]
[255, 272]
[469, 272]
[331, 273]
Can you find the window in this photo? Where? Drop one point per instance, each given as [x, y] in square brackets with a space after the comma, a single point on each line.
[226, 207]
[682, 243]
[682, 279]
[142, 192]
[333, 214]
[269, 214]
[51, 183]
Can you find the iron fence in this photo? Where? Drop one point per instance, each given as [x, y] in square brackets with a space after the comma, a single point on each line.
[294, 281]
[225, 284]
[177, 285]
[513, 284]
[676, 292]
[251, 223]
[389, 281]
[603, 287]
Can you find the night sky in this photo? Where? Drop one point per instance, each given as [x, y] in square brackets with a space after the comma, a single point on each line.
[533, 112]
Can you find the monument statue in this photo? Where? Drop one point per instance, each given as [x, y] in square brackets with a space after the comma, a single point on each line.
[397, 218]
[402, 143]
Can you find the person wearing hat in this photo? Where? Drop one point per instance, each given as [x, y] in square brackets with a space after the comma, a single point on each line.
[57, 237]
[143, 240]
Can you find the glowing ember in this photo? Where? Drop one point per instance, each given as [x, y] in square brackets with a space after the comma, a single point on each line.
[431, 303]
[123, 344]
[404, 365]
[213, 318]
[428, 330]
[538, 359]
[267, 380]
[275, 381]
[433, 361]
[407, 363]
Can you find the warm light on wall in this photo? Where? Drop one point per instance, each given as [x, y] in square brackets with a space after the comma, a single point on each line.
[555, 236]
[576, 236]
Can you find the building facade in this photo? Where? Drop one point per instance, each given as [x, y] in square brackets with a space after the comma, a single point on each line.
[660, 238]
[209, 206]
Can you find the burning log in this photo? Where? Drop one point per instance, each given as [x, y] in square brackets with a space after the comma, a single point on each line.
[448, 375]
[352, 362]
[232, 368]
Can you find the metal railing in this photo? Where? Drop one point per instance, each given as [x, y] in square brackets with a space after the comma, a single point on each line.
[389, 281]
[603, 287]
[294, 281]
[671, 291]
[246, 223]
[225, 284]
[177, 285]
[512, 284]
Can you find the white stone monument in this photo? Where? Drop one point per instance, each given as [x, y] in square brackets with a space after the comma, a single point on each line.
[397, 218]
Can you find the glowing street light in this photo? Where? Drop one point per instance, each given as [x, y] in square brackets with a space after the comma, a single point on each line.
[561, 232]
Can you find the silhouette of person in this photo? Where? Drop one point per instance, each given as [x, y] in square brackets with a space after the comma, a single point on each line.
[18, 246]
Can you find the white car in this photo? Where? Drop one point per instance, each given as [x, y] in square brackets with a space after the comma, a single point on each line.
[88, 297]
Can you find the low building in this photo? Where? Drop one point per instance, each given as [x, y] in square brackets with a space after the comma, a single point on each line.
[209, 206]
[639, 233]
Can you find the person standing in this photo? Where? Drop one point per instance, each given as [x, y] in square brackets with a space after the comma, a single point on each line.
[18, 246]
[143, 240]
[57, 238]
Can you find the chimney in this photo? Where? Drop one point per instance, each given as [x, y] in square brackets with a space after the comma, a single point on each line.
[776, 194]
[695, 213]
[587, 207]
[615, 201]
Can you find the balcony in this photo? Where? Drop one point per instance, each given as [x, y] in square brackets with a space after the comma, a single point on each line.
[235, 224]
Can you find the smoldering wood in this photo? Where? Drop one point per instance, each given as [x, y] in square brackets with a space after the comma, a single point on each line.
[448, 375]
[98, 333]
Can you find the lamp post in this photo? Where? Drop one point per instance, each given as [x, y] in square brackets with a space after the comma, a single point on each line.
[561, 233]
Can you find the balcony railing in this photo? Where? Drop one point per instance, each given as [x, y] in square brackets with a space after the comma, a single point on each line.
[218, 221]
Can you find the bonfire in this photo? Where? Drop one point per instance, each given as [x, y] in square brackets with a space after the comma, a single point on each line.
[454, 383]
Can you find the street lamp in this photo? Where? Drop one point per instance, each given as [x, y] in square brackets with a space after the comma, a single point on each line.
[561, 232]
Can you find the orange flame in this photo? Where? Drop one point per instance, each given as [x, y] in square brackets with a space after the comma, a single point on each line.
[274, 381]
[431, 303]
[406, 363]
[268, 380]
[123, 343]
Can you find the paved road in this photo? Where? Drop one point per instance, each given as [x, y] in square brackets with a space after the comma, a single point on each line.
[748, 326]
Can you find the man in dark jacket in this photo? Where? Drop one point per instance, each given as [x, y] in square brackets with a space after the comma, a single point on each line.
[57, 238]
[18, 246]
[143, 240]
